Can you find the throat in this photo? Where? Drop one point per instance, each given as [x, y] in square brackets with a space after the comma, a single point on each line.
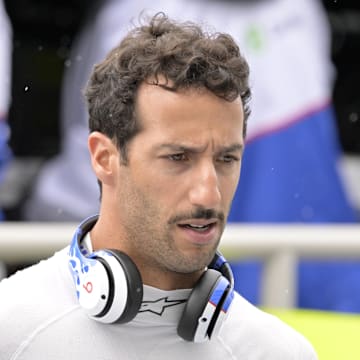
[169, 280]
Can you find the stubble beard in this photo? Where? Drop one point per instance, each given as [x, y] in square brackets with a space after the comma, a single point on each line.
[158, 251]
[150, 238]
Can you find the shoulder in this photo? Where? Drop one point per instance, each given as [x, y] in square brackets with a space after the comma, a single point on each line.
[33, 297]
[36, 282]
[262, 334]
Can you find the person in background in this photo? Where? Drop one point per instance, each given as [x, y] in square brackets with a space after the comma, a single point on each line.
[168, 110]
[5, 91]
[292, 150]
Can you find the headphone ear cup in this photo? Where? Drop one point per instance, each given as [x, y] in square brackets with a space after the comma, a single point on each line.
[131, 288]
[198, 319]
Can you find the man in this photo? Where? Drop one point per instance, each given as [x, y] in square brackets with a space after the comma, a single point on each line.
[168, 110]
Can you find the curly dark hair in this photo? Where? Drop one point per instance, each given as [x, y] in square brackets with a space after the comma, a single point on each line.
[182, 53]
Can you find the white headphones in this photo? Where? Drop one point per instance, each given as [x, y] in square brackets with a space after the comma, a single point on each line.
[110, 290]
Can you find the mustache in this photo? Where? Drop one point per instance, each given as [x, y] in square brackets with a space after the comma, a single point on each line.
[198, 213]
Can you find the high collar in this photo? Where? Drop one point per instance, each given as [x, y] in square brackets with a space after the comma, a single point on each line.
[161, 306]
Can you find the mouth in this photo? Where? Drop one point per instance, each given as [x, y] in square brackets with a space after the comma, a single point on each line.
[198, 227]
[200, 231]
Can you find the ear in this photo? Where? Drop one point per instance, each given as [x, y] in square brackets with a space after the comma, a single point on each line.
[104, 156]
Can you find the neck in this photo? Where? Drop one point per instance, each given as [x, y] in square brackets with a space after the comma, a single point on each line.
[165, 279]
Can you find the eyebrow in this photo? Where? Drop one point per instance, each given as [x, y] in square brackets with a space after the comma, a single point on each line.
[193, 149]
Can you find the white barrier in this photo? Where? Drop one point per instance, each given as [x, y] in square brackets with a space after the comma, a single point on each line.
[280, 247]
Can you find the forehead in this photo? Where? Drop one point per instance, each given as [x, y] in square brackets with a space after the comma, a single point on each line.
[196, 112]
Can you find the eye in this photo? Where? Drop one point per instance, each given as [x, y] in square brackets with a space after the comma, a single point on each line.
[177, 157]
[228, 159]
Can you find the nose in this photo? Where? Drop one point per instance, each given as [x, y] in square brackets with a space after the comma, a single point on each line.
[204, 189]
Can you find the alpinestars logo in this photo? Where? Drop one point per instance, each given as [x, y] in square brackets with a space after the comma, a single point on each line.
[158, 306]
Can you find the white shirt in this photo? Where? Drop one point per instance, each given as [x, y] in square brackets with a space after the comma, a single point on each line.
[40, 318]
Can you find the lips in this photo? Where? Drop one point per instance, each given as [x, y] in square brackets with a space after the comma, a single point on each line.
[199, 231]
[198, 228]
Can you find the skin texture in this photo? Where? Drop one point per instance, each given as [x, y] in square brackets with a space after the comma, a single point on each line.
[183, 168]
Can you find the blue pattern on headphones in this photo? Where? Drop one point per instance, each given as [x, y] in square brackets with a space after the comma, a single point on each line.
[77, 252]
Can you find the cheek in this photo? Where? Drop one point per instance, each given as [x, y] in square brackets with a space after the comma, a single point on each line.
[229, 185]
[150, 192]
[161, 197]
[237, 177]
[158, 184]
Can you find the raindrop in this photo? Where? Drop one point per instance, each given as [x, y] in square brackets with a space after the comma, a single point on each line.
[353, 117]
[26, 88]
[67, 63]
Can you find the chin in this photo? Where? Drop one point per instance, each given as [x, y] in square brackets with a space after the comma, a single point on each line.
[197, 260]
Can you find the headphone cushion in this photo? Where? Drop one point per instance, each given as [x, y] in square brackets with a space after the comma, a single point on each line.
[134, 286]
[198, 300]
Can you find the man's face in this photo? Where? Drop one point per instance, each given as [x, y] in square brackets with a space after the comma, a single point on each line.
[174, 194]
